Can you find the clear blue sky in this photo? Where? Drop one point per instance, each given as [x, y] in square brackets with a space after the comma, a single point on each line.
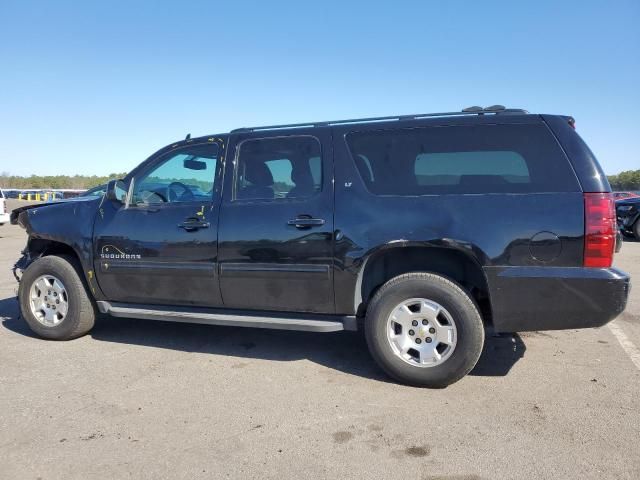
[94, 87]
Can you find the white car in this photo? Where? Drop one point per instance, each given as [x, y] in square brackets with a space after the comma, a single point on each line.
[4, 215]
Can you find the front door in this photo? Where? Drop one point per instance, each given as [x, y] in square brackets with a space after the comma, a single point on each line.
[162, 247]
[276, 227]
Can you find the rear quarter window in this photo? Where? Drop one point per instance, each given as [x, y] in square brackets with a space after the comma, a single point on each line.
[461, 160]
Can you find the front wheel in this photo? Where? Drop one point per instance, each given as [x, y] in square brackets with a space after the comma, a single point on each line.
[54, 300]
[424, 330]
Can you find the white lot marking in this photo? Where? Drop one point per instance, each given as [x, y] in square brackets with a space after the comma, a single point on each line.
[627, 345]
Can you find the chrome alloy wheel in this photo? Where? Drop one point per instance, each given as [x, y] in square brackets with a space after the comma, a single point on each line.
[421, 332]
[48, 300]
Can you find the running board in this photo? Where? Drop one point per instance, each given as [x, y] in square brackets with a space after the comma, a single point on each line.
[234, 318]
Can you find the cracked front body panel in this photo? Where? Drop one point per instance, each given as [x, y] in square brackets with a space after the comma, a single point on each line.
[59, 228]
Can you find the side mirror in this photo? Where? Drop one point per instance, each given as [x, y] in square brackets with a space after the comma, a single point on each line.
[116, 191]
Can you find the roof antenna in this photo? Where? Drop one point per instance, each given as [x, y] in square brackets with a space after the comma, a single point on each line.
[188, 136]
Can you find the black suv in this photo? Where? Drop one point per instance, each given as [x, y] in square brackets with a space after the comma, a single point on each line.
[420, 229]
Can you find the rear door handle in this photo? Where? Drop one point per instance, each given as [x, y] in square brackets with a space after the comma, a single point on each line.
[305, 222]
[192, 224]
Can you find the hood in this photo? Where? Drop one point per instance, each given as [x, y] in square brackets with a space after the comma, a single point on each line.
[15, 214]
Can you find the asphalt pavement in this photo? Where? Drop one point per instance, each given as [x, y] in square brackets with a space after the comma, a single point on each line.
[145, 399]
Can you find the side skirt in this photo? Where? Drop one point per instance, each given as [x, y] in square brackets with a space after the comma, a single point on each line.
[234, 318]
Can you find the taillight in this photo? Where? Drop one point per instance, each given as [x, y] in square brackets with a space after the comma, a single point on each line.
[599, 229]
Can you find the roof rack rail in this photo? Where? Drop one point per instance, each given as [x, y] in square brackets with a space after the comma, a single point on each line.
[494, 109]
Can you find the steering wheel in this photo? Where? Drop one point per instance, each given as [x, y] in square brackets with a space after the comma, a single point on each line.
[173, 195]
[148, 196]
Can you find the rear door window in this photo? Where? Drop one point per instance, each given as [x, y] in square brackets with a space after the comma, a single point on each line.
[461, 159]
[278, 168]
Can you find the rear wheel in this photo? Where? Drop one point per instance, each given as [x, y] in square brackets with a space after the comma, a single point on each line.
[54, 300]
[636, 229]
[424, 330]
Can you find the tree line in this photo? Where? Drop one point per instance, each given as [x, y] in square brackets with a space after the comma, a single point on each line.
[628, 180]
[79, 182]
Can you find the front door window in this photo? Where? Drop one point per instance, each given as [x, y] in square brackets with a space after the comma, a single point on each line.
[187, 175]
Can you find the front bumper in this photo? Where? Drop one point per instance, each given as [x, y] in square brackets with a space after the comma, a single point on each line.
[21, 265]
[4, 218]
[555, 298]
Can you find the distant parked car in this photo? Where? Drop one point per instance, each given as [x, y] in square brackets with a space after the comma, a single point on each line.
[628, 216]
[71, 194]
[95, 191]
[624, 195]
[4, 215]
[28, 194]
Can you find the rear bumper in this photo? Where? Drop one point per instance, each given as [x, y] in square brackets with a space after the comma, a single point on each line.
[555, 298]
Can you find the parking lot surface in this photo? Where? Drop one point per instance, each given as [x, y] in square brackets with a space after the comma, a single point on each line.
[145, 399]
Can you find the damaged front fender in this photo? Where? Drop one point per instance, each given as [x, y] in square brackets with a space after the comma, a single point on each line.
[60, 228]
[21, 265]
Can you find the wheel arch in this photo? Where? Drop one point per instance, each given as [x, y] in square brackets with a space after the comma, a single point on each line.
[38, 247]
[452, 260]
[42, 247]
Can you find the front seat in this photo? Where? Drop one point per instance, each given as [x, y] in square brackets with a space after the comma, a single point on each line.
[304, 186]
[260, 182]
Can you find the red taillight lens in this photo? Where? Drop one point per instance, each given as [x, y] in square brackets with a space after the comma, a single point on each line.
[599, 229]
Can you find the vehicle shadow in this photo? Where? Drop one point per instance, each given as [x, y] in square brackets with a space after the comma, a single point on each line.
[343, 351]
[10, 317]
[500, 353]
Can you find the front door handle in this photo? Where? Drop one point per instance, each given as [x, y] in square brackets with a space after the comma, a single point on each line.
[305, 222]
[192, 224]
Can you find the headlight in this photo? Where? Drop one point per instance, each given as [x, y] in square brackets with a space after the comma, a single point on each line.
[625, 208]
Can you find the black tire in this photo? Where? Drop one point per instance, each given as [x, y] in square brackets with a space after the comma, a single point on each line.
[463, 310]
[636, 229]
[81, 312]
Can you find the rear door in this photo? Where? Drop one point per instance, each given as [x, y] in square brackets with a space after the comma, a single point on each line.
[276, 225]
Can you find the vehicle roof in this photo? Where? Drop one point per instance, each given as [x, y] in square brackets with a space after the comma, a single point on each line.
[472, 115]
[496, 114]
